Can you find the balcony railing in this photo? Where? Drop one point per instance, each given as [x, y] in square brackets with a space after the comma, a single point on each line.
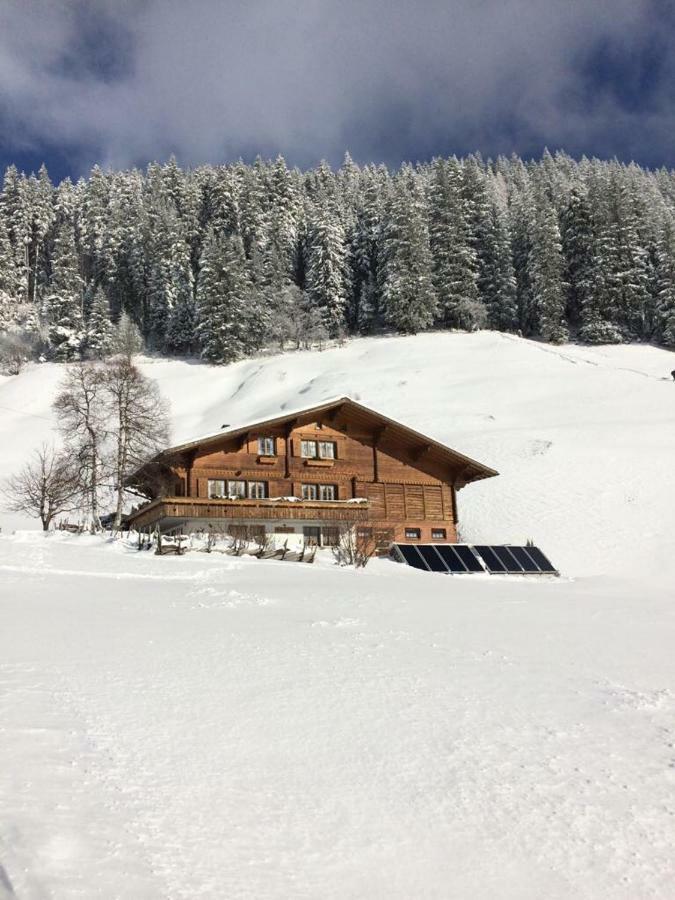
[285, 510]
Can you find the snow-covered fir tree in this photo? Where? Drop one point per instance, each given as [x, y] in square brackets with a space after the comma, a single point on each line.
[64, 295]
[10, 282]
[326, 277]
[364, 310]
[454, 258]
[665, 284]
[580, 253]
[546, 268]
[497, 280]
[100, 331]
[228, 321]
[408, 297]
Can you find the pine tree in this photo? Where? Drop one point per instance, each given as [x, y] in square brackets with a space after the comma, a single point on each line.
[364, 314]
[407, 289]
[633, 276]
[665, 277]
[169, 276]
[227, 310]
[64, 297]
[327, 268]
[455, 264]
[180, 336]
[579, 250]
[546, 265]
[100, 332]
[521, 226]
[10, 284]
[497, 280]
[16, 214]
[284, 217]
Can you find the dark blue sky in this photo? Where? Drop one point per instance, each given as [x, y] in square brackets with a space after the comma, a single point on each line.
[121, 82]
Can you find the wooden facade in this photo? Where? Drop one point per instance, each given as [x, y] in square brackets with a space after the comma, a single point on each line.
[310, 472]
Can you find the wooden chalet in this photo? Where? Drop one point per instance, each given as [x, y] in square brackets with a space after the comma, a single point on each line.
[308, 473]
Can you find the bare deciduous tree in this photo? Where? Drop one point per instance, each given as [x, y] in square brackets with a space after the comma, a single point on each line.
[46, 487]
[354, 544]
[81, 411]
[138, 421]
[16, 348]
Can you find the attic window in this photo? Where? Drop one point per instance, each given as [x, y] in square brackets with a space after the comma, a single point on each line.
[266, 446]
[318, 449]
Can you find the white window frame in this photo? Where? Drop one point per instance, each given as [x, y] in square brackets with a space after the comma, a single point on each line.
[309, 491]
[236, 489]
[413, 537]
[266, 446]
[326, 449]
[325, 489]
[257, 490]
[216, 493]
[305, 449]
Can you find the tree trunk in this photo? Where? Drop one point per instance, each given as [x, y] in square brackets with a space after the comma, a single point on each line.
[121, 469]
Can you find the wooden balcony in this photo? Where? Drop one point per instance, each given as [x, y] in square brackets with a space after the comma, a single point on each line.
[172, 511]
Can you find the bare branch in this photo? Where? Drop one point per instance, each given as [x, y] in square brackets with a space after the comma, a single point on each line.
[46, 487]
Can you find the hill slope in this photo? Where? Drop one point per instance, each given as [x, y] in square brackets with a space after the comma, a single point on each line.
[583, 438]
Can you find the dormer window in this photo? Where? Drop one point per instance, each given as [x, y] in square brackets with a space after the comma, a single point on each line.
[266, 446]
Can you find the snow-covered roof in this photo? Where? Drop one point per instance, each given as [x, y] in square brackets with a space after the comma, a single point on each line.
[474, 470]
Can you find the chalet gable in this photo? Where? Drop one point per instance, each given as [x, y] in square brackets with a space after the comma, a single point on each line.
[338, 419]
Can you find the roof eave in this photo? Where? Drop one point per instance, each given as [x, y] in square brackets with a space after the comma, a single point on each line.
[481, 471]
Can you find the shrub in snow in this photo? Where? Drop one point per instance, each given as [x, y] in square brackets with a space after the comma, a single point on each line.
[600, 333]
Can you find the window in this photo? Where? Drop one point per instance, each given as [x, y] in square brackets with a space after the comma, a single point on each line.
[322, 537]
[319, 492]
[413, 533]
[318, 449]
[266, 446]
[216, 489]
[257, 490]
[236, 489]
[438, 534]
[312, 534]
[327, 492]
[326, 450]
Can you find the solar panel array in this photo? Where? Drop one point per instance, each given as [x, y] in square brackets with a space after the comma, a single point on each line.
[464, 559]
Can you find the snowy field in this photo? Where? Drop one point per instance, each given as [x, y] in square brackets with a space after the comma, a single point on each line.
[210, 727]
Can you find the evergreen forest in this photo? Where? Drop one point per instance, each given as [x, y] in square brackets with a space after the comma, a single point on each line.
[224, 261]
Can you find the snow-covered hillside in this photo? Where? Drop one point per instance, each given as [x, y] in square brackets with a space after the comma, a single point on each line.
[584, 438]
[174, 728]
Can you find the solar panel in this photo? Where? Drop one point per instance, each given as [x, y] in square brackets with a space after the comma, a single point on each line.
[431, 558]
[468, 558]
[524, 559]
[545, 565]
[490, 559]
[509, 562]
[412, 557]
[450, 558]
[460, 559]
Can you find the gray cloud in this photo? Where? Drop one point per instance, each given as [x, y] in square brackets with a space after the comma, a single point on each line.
[123, 81]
